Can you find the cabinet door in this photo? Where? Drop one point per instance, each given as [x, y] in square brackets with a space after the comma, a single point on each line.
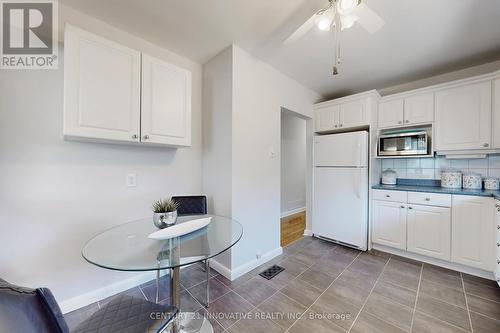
[390, 114]
[353, 114]
[473, 232]
[496, 115]
[389, 224]
[429, 231]
[463, 117]
[327, 118]
[101, 88]
[419, 109]
[166, 103]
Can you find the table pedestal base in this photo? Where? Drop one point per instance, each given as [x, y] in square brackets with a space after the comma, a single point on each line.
[191, 322]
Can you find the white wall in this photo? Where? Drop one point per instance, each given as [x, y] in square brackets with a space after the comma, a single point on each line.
[56, 194]
[259, 93]
[293, 163]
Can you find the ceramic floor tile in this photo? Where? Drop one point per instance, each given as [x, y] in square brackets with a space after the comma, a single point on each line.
[426, 324]
[482, 290]
[349, 287]
[316, 278]
[301, 292]
[482, 324]
[449, 295]
[443, 311]
[367, 323]
[192, 276]
[149, 290]
[483, 306]
[314, 322]
[255, 322]
[400, 277]
[237, 282]
[477, 279]
[442, 276]
[333, 265]
[279, 281]
[74, 318]
[396, 293]
[217, 289]
[229, 308]
[393, 313]
[342, 313]
[134, 292]
[294, 268]
[287, 311]
[255, 291]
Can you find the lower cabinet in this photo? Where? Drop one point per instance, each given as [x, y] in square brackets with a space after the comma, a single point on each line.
[429, 231]
[473, 236]
[389, 223]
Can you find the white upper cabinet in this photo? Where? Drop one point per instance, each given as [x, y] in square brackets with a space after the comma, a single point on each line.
[327, 118]
[107, 99]
[389, 224]
[354, 114]
[411, 110]
[102, 88]
[473, 232]
[391, 113]
[166, 103]
[496, 115]
[429, 231]
[419, 109]
[463, 117]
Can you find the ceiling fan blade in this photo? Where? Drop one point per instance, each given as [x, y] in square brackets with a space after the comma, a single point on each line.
[368, 19]
[302, 30]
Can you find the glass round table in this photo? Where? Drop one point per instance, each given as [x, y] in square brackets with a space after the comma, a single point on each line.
[127, 248]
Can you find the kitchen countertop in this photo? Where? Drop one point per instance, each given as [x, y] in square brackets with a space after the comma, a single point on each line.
[437, 189]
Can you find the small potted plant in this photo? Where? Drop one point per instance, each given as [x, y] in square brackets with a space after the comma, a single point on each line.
[164, 213]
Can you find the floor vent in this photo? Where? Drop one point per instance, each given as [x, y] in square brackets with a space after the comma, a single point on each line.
[271, 272]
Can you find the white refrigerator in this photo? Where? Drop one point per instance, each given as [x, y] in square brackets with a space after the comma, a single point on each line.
[340, 195]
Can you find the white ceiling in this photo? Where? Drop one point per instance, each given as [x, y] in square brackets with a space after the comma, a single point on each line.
[421, 38]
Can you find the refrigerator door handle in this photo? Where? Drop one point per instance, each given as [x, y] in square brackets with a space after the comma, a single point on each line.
[357, 184]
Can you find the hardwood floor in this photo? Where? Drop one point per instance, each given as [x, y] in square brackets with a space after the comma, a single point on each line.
[292, 227]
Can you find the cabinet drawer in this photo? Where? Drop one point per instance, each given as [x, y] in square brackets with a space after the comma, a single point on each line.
[429, 199]
[385, 195]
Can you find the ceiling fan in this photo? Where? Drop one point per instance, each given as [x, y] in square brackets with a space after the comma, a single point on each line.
[339, 15]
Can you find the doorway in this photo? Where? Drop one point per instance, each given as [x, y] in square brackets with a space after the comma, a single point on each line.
[293, 176]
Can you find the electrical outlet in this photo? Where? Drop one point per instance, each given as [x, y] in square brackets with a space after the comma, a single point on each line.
[131, 180]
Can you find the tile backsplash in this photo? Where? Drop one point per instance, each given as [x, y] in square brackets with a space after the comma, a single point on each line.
[430, 168]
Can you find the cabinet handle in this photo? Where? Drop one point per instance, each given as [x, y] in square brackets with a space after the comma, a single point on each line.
[146, 137]
[486, 145]
[341, 125]
[407, 121]
[498, 227]
[427, 199]
[498, 262]
[400, 122]
[410, 207]
[134, 136]
[402, 206]
[387, 196]
[336, 126]
[498, 244]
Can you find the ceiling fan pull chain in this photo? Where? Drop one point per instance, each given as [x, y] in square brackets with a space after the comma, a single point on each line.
[336, 60]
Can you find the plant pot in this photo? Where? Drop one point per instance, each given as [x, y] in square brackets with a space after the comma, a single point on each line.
[163, 220]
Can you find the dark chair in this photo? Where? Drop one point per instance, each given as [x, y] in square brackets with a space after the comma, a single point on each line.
[191, 205]
[36, 311]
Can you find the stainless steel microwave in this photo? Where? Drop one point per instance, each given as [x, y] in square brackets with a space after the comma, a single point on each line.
[407, 143]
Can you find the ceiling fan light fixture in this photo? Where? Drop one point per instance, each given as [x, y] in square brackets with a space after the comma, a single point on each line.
[346, 7]
[325, 20]
[348, 21]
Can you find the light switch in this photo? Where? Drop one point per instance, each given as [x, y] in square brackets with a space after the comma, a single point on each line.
[131, 180]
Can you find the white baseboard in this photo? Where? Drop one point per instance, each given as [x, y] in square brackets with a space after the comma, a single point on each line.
[437, 262]
[232, 274]
[293, 211]
[308, 232]
[104, 292]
